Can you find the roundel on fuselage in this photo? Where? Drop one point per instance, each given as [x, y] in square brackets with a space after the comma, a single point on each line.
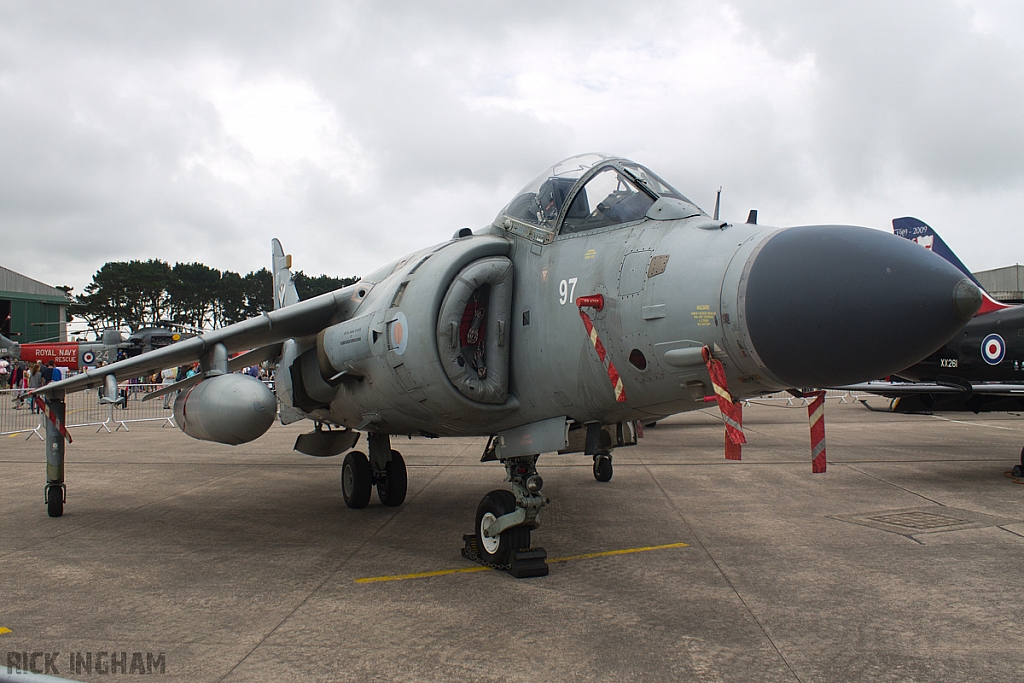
[993, 349]
[398, 333]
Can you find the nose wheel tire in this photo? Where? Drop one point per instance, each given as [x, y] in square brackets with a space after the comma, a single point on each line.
[499, 550]
[603, 467]
[356, 480]
[392, 486]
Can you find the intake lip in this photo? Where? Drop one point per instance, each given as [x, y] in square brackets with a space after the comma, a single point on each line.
[833, 305]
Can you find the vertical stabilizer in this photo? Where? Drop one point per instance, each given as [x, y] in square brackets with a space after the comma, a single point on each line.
[284, 285]
[918, 231]
[9, 348]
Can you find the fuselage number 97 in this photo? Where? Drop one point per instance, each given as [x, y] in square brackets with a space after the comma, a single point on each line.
[566, 289]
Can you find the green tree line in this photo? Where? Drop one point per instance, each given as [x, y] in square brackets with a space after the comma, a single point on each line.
[141, 293]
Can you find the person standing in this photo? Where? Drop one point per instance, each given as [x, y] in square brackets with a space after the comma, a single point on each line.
[35, 381]
[168, 376]
[47, 372]
[17, 373]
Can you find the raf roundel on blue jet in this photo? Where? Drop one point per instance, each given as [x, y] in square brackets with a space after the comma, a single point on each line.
[589, 305]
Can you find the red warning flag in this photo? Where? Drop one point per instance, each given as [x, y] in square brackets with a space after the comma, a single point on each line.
[52, 417]
[816, 416]
[733, 450]
[732, 412]
[597, 301]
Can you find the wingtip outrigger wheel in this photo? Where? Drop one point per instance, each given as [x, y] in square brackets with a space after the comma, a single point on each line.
[54, 411]
[603, 467]
[55, 496]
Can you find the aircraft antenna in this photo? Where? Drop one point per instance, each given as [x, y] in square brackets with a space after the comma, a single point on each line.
[718, 202]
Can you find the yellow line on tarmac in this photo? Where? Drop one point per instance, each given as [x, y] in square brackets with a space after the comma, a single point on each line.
[424, 575]
[4, 630]
[624, 551]
[569, 558]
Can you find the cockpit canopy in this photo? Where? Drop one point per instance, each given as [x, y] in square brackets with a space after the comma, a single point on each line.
[587, 192]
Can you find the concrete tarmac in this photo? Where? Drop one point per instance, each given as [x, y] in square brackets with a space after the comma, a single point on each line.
[215, 563]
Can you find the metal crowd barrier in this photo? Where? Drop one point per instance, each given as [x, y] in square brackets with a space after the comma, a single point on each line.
[18, 418]
[790, 400]
[84, 409]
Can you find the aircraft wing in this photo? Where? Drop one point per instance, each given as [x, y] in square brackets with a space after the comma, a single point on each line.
[899, 389]
[269, 329]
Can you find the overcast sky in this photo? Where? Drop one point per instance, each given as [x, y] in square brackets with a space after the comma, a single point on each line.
[357, 132]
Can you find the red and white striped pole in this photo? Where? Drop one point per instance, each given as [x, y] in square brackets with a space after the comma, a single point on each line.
[52, 417]
[596, 301]
[732, 411]
[816, 416]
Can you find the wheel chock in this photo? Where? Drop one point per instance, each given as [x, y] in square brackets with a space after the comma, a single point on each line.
[525, 563]
[529, 563]
[471, 551]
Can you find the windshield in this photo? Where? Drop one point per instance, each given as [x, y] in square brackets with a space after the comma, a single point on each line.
[616, 191]
[539, 202]
[651, 181]
[608, 198]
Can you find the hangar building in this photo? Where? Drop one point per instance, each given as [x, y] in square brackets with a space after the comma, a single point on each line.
[1005, 284]
[31, 311]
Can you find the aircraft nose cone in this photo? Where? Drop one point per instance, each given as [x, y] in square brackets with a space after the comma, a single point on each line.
[833, 305]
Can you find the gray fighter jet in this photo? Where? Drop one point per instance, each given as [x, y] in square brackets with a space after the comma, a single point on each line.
[592, 303]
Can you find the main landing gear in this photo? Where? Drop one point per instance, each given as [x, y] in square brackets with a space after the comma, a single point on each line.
[504, 520]
[384, 468]
[1018, 470]
[597, 442]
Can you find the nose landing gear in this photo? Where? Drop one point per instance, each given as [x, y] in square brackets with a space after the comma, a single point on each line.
[497, 550]
[504, 520]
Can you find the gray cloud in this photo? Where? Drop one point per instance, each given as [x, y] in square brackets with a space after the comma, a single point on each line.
[359, 132]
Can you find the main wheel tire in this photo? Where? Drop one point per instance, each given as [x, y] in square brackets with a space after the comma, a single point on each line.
[391, 488]
[603, 467]
[356, 480]
[55, 501]
[1017, 471]
[499, 550]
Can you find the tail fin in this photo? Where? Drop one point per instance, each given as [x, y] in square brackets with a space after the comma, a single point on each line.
[8, 347]
[284, 285]
[920, 232]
